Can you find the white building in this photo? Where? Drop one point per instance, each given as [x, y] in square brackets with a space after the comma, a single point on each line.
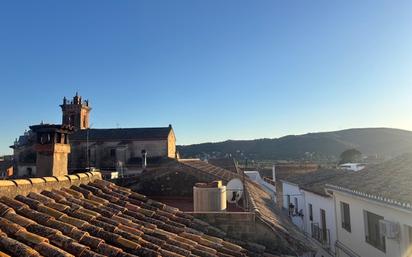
[374, 210]
[313, 210]
[265, 184]
[352, 166]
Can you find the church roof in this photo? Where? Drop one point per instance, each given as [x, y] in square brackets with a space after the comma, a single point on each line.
[99, 218]
[122, 134]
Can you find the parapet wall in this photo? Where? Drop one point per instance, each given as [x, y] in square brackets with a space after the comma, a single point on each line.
[13, 187]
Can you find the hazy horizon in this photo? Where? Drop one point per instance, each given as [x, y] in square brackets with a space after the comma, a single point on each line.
[215, 70]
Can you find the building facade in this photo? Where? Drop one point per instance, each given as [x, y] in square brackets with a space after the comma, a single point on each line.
[374, 210]
[121, 149]
[311, 209]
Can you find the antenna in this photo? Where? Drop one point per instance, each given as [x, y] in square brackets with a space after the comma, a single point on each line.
[234, 189]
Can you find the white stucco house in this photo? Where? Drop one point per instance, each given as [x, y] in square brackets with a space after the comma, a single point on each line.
[313, 209]
[352, 166]
[374, 210]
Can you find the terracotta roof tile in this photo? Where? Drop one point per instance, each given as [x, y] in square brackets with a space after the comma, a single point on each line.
[88, 253]
[2, 254]
[49, 250]
[16, 248]
[108, 250]
[42, 230]
[63, 223]
[15, 218]
[14, 203]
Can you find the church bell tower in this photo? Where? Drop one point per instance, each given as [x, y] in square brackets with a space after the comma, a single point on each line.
[76, 112]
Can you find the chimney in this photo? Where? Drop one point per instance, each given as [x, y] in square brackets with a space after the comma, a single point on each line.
[274, 173]
[52, 148]
[144, 159]
[209, 197]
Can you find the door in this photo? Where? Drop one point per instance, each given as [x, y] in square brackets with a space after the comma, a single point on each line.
[323, 224]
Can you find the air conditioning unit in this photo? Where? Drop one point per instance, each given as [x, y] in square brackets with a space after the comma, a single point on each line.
[389, 229]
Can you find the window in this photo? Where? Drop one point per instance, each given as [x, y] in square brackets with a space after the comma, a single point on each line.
[287, 201]
[113, 153]
[310, 212]
[296, 206]
[372, 231]
[71, 120]
[323, 224]
[345, 216]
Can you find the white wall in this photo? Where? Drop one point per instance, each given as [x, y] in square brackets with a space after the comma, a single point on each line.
[355, 240]
[320, 202]
[294, 192]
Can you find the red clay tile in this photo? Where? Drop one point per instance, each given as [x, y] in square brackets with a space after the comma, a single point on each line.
[17, 248]
[49, 250]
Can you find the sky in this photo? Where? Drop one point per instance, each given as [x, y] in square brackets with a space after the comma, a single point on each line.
[214, 69]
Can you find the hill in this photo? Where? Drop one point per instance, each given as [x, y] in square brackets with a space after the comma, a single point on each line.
[324, 146]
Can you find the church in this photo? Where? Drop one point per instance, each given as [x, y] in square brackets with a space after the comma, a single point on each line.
[121, 149]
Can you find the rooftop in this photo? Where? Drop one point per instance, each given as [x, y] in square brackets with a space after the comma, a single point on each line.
[389, 182]
[316, 181]
[82, 215]
[121, 134]
[225, 163]
[262, 205]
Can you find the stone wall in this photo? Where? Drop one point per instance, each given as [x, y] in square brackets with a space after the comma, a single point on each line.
[102, 153]
[11, 188]
[239, 225]
[245, 226]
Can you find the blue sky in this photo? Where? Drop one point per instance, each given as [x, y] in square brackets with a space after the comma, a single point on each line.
[216, 70]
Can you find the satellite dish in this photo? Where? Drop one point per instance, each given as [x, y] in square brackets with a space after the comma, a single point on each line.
[234, 190]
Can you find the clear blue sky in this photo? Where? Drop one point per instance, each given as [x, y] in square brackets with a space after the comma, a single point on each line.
[216, 70]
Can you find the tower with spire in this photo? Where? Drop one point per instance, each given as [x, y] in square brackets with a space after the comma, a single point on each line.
[75, 113]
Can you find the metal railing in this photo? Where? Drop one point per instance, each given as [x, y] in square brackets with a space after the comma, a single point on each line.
[322, 235]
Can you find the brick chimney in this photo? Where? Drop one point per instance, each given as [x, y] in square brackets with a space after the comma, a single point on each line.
[52, 148]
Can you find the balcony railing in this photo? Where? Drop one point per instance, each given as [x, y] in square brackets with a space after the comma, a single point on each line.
[322, 235]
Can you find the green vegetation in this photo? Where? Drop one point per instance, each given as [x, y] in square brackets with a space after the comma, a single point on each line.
[324, 147]
[350, 155]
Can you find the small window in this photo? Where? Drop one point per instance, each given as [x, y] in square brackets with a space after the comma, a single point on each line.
[296, 206]
[345, 216]
[310, 212]
[372, 231]
[287, 201]
[112, 152]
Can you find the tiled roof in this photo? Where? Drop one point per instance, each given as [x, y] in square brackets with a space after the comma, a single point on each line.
[225, 163]
[389, 181]
[121, 134]
[261, 203]
[102, 219]
[315, 181]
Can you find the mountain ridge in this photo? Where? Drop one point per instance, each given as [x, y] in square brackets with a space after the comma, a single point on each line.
[380, 141]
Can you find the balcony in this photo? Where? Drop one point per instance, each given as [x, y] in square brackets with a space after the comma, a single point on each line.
[322, 235]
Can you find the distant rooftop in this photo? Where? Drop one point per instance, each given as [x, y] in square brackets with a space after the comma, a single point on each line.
[390, 180]
[315, 181]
